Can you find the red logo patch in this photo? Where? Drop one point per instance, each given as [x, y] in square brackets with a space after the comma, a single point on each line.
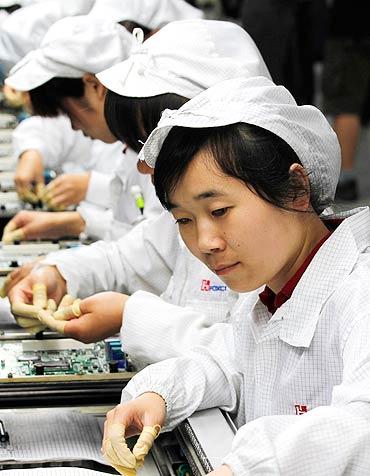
[206, 284]
[300, 409]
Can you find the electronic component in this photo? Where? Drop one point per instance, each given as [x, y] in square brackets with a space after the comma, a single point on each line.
[116, 358]
[8, 121]
[8, 161]
[6, 136]
[59, 357]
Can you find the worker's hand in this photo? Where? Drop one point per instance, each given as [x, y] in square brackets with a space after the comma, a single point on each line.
[55, 284]
[145, 415]
[66, 190]
[223, 470]
[29, 172]
[31, 225]
[101, 317]
[17, 275]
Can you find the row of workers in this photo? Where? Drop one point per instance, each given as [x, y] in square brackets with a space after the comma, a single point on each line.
[259, 303]
[51, 142]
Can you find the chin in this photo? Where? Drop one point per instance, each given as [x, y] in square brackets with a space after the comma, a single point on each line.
[242, 286]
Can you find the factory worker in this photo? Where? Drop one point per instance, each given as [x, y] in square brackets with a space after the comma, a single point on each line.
[174, 297]
[24, 29]
[150, 15]
[63, 66]
[22, 32]
[246, 173]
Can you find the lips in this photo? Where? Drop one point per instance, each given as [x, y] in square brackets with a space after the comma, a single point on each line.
[223, 269]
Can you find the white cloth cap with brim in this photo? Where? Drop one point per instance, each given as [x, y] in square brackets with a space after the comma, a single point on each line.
[149, 13]
[260, 102]
[72, 47]
[185, 58]
[24, 29]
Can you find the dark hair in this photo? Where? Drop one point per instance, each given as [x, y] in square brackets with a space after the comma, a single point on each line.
[130, 25]
[47, 99]
[131, 120]
[11, 8]
[255, 156]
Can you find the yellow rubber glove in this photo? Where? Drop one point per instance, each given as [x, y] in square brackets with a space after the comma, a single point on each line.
[118, 454]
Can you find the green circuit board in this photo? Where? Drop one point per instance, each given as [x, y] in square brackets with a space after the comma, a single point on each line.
[60, 357]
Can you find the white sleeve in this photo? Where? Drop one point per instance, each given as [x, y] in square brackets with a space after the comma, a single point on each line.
[201, 379]
[54, 139]
[148, 320]
[127, 177]
[98, 191]
[142, 259]
[100, 223]
[328, 440]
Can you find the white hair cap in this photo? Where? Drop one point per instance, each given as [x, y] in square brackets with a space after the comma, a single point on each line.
[186, 57]
[23, 30]
[72, 47]
[260, 102]
[149, 13]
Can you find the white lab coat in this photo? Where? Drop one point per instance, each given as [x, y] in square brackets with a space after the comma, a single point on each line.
[117, 212]
[176, 301]
[312, 355]
[109, 210]
[62, 148]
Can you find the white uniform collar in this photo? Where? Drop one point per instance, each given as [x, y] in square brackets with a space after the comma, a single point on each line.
[295, 321]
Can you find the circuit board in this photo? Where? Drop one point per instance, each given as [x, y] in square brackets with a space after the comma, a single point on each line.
[61, 359]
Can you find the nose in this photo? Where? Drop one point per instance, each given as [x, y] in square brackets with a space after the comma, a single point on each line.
[210, 239]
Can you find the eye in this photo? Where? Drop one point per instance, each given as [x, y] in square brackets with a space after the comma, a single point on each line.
[182, 221]
[220, 212]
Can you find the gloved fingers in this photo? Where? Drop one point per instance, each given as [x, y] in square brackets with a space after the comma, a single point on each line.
[66, 300]
[47, 318]
[11, 236]
[115, 447]
[28, 196]
[26, 321]
[144, 443]
[25, 310]
[70, 312]
[40, 190]
[10, 226]
[40, 297]
[4, 287]
[51, 305]
[124, 471]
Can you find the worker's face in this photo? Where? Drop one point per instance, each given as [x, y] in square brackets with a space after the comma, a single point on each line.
[245, 240]
[87, 113]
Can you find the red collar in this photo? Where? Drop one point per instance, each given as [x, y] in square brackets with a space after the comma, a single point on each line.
[273, 301]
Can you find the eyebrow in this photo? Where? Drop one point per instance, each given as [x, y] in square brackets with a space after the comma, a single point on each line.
[200, 196]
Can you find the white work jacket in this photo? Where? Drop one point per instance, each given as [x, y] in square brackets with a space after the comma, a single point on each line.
[176, 301]
[62, 149]
[299, 380]
[110, 209]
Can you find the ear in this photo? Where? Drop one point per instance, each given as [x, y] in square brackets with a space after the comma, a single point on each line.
[93, 85]
[299, 175]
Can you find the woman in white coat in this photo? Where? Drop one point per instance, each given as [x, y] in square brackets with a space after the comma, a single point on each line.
[63, 58]
[246, 173]
[151, 260]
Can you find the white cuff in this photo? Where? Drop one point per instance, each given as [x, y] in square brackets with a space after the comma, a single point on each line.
[97, 220]
[98, 191]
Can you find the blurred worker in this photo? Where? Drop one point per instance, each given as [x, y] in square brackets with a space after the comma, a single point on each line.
[65, 62]
[346, 83]
[175, 64]
[151, 15]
